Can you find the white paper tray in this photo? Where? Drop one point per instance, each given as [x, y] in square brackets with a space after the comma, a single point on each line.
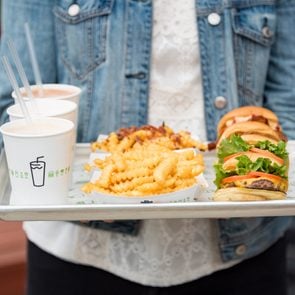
[202, 208]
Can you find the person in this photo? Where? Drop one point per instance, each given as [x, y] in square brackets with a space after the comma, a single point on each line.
[183, 62]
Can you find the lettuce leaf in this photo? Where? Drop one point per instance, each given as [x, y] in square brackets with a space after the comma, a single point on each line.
[277, 149]
[236, 144]
[245, 165]
[232, 145]
[220, 174]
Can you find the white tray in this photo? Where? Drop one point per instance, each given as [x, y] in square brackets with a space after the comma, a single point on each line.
[82, 209]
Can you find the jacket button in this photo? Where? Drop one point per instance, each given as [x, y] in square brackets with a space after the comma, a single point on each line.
[220, 102]
[267, 33]
[214, 19]
[74, 10]
[241, 250]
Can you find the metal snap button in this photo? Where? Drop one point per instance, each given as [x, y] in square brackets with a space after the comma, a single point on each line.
[220, 102]
[214, 19]
[266, 31]
[241, 250]
[74, 10]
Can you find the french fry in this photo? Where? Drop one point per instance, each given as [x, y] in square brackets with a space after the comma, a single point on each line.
[133, 137]
[140, 171]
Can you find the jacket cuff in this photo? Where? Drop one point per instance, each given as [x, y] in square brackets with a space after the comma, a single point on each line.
[129, 227]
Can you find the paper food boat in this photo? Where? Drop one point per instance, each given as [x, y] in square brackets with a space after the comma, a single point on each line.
[189, 194]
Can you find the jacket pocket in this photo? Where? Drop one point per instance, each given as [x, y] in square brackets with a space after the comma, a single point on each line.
[257, 23]
[254, 29]
[82, 35]
[242, 238]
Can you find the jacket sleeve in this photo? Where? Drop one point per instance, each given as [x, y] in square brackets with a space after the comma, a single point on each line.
[39, 16]
[279, 89]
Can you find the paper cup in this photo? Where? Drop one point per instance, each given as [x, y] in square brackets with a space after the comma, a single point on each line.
[39, 158]
[62, 109]
[55, 91]
[46, 108]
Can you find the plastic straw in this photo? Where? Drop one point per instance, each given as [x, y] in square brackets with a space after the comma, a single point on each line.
[20, 68]
[22, 74]
[14, 84]
[34, 60]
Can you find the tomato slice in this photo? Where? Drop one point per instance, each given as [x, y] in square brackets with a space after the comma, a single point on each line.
[236, 177]
[253, 174]
[268, 154]
[262, 174]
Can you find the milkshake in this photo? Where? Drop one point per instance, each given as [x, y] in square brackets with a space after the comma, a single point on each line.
[46, 108]
[39, 158]
[54, 91]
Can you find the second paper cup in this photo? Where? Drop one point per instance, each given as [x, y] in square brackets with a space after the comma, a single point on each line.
[46, 108]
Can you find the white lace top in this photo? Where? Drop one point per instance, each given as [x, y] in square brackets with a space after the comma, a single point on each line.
[166, 252]
[176, 87]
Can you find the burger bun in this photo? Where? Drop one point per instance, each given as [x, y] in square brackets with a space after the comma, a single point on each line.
[244, 194]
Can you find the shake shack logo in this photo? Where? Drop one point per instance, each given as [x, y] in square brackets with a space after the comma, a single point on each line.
[38, 169]
[38, 172]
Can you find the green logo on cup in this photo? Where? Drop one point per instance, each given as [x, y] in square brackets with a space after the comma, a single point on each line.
[39, 175]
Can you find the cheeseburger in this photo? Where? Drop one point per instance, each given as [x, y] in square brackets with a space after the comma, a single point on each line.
[252, 162]
[249, 113]
[251, 132]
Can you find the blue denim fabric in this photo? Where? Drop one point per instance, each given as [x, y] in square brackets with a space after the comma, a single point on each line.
[248, 66]
[129, 227]
[248, 58]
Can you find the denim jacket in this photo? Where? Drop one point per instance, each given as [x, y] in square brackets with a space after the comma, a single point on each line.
[247, 50]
